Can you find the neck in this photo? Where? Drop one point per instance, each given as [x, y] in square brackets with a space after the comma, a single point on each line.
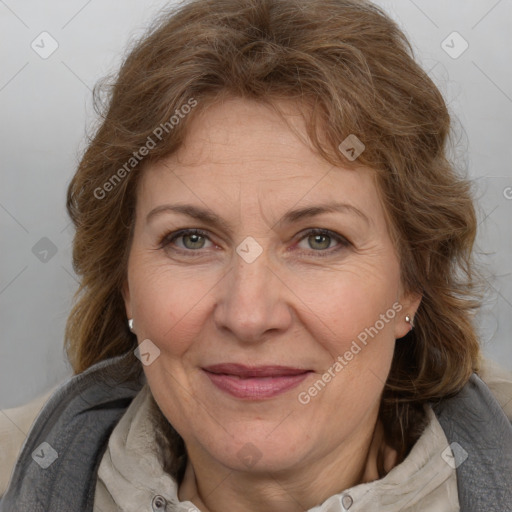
[215, 488]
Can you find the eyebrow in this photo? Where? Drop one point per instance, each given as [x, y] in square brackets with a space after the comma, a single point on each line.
[211, 218]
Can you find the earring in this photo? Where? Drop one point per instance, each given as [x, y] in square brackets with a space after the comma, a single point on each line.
[409, 320]
[130, 324]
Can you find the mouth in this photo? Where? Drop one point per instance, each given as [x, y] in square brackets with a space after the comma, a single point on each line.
[254, 382]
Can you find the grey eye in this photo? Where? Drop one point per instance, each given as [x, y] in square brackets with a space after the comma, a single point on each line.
[196, 241]
[319, 241]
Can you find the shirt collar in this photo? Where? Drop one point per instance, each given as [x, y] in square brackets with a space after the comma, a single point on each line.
[132, 475]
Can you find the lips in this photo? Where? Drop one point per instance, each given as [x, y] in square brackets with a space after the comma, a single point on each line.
[246, 372]
[254, 382]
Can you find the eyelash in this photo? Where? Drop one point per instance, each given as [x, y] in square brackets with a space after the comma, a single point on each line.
[171, 237]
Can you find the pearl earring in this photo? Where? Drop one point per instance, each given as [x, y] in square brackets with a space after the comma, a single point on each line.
[409, 320]
[130, 324]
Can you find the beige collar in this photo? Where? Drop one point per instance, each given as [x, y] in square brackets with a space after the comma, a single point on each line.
[131, 476]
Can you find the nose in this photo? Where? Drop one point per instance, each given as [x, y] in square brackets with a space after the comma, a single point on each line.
[252, 301]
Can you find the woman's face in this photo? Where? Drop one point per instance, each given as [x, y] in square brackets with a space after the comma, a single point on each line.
[256, 287]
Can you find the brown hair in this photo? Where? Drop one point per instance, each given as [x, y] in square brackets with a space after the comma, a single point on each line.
[355, 70]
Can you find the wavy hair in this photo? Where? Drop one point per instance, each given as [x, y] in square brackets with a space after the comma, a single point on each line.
[354, 71]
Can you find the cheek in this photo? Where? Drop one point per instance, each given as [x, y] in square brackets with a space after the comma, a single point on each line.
[168, 304]
[353, 304]
[353, 321]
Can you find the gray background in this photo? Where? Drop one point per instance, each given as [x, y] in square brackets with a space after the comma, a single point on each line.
[45, 107]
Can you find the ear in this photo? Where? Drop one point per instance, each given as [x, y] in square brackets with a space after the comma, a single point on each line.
[410, 303]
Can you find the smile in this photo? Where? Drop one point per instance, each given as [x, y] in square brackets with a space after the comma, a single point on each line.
[254, 383]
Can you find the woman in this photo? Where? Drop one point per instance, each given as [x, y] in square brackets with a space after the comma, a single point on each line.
[222, 357]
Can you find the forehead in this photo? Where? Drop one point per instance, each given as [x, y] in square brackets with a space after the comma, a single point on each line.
[242, 148]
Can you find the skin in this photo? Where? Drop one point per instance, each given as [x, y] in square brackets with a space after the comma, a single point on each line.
[301, 303]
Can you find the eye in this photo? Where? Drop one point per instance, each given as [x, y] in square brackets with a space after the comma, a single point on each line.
[320, 240]
[192, 239]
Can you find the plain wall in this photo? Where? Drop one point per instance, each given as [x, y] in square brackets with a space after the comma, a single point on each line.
[45, 106]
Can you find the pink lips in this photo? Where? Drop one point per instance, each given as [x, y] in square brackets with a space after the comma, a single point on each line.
[254, 383]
